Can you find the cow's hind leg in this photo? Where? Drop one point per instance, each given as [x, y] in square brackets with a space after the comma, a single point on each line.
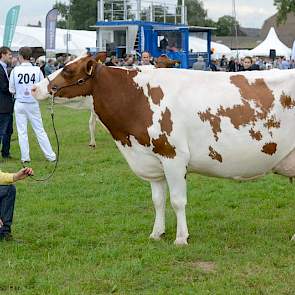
[175, 172]
[92, 126]
[159, 199]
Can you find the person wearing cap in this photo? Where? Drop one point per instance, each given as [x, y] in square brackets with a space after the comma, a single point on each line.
[7, 199]
[26, 107]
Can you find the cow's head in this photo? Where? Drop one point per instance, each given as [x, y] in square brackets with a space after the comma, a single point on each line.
[75, 79]
[164, 61]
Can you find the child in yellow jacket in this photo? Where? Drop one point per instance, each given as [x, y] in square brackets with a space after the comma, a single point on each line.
[7, 199]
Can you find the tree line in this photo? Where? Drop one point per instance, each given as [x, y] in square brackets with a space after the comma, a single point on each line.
[81, 15]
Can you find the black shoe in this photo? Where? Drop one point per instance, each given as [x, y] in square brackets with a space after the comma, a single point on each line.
[7, 157]
[6, 237]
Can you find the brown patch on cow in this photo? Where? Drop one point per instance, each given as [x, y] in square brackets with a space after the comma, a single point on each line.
[255, 134]
[259, 93]
[243, 114]
[155, 93]
[272, 123]
[122, 107]
[215, 155]
[213, 120]
[239, 115]
[286, 101]
[166, 122]
[269, 148]
[163, 147]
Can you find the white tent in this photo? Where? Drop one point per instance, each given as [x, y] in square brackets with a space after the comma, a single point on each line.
[200, 45]
[272, 41]
[35, 37]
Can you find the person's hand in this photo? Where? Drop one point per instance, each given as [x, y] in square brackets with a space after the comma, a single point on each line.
[23, 173]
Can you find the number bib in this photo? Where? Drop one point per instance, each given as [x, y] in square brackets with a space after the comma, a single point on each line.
[24, 78]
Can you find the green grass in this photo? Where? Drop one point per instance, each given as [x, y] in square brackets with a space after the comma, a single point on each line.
[86, 230]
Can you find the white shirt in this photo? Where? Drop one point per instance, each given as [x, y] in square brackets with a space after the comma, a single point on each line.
[22, 78]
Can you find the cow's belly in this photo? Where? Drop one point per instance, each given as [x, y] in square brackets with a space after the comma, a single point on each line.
[236, 155]
[142, 161]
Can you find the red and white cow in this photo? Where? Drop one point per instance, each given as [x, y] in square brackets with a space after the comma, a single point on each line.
[168, 122]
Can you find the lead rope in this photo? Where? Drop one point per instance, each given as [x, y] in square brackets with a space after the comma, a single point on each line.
[57, 143]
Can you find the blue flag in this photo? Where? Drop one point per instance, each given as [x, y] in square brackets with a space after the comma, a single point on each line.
[10, 24]
[50, 30]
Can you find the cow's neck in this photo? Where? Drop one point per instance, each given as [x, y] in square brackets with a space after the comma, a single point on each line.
[121, 105]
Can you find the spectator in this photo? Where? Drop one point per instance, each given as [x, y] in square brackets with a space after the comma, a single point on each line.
[248, 65]
[49, 67]
[129, 61]
[26, 107]
[41, 65]
[145, 59]
[213, 66]
[285, 64]
[164, 43]
[112, 62]
[7, 200]
[232, 65]
[6, 103]
[223, 62]
[200, 64]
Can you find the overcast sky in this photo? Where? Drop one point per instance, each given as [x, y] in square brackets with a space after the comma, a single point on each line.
[250, 13]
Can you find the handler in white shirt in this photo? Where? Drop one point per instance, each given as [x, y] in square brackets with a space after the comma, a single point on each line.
[26, 107]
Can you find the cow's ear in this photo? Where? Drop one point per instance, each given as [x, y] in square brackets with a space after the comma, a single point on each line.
[90, 67]
[101, 56]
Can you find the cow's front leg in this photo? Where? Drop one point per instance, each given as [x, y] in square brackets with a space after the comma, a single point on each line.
[159, 199]
[92, 126]
[175, 173]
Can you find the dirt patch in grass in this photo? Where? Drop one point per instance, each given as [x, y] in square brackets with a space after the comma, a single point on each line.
[206, 266]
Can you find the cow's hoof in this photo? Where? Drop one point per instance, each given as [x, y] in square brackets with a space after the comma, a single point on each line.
[93, 146]
[180, 242]
[293, 239]
[157, 236]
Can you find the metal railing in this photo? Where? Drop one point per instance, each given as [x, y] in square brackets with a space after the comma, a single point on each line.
[118, 10]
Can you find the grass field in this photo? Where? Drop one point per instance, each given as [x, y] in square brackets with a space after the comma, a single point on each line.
[86, 230]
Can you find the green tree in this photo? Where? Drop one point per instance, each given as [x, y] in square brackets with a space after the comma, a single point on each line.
[79, 15]
[196, 14]
[284, 8]
[226, 26]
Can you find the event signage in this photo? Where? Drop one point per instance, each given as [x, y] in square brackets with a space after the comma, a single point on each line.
[293, 51]
[10, 24]
[50, 30]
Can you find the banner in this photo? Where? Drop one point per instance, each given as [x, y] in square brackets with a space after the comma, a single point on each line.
[293, 51]
[10, 24]
[50, 29]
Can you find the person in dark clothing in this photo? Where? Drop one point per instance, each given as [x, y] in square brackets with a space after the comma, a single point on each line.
[248, 65]
[6, 103]
[164, 43]
[112, 62]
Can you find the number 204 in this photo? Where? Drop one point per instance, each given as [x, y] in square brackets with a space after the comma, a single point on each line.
[26, 79]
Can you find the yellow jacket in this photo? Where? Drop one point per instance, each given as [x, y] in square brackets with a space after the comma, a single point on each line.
[6, 178]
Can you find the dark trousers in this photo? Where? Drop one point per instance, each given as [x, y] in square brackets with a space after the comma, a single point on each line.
[6, 130]
[7, 200]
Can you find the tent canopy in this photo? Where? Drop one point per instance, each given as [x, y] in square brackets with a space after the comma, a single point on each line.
[272, 41]
[35, 37]
[200, 45]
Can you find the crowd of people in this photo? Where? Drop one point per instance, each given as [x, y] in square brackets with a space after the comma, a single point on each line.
[249, 64]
